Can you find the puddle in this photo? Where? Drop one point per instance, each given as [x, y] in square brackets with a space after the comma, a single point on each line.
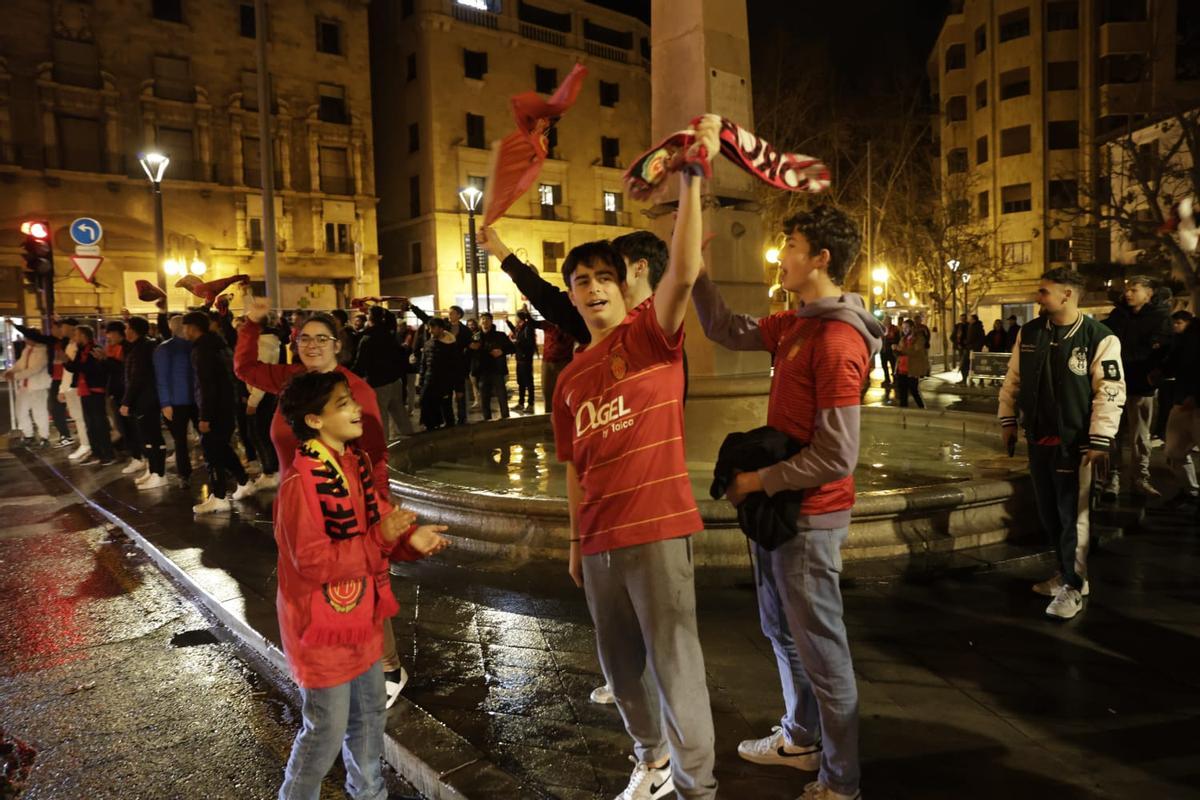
[193, 638]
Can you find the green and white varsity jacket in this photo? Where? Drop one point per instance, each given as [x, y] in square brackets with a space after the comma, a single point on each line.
[1090, 394]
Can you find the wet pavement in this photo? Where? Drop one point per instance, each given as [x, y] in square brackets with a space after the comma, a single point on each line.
[966, 689]
[123, 689]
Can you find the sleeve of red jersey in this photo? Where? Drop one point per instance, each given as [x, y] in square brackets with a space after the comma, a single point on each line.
[839, 366]
[771, 328]
[647, 343]
[564, 425]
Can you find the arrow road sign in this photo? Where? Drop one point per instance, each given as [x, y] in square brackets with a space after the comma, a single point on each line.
[87, 266]
[86, 230]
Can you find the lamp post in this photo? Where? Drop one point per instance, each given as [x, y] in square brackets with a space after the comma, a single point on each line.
[470, 198]
[953, 265]
[880, 276]
[155, 166]
[966, 278]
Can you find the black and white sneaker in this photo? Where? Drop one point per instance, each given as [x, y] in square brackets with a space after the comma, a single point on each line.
[394, 681]
[774, 750]
[648, 783]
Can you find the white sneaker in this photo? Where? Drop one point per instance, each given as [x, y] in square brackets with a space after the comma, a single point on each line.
[145, 476]
[244, 490]
[1050, 586]
[81, 453]
[775, 751]
[134, 465]
[212, 505]
[170, 462]
[603, 695]
[819, 791]
[648, 783]
[153, 482]
[267, 482]
[394, 682]
[1066, 604]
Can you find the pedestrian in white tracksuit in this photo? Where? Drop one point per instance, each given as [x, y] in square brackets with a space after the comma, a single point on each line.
[31, 380]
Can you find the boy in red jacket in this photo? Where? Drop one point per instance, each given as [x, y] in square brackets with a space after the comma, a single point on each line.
[335, 536]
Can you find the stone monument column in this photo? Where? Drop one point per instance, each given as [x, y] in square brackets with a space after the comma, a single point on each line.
[700, 62]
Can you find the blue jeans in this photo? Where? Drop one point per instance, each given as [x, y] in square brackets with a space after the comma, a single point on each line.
[800, 607]
[349, 717]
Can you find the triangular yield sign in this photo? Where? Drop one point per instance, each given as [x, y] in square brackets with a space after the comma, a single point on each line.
[87, 265]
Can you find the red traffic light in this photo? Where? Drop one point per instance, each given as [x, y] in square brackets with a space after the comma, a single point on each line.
[38, 230]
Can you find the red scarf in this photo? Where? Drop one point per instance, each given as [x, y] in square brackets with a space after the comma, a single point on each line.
[349, 611]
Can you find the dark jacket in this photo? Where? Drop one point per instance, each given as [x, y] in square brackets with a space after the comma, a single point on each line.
[462, 338]
[114, 356]
[482, 360]
[1145, 338]
[215, 387]
[380, 359]
[996, 340]
[551, 302]
[1010, 337]
[770, 521]
[524, 339]
[90, 364]
[173, 372]
[1182, 365]
[976, 337]
[440, 368]
[141, 391]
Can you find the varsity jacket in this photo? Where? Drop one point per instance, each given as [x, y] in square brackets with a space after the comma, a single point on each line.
[1087, 377]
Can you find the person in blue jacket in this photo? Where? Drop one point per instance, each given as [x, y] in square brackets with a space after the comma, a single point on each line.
[173, 375]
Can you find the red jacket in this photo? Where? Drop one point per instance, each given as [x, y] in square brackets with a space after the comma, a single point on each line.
[271, 378]
[310, 559]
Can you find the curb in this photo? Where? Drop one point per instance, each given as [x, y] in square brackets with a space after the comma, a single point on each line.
[438, 762]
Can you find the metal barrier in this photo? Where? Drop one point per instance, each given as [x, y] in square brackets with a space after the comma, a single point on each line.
[988, 369]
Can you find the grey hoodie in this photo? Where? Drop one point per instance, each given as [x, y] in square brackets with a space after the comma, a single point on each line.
[833, 452]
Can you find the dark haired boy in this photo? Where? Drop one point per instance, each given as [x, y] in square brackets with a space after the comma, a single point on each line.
[490, 349]
[822, 354]
[335, 534]
[618, 425]
[1066, 380]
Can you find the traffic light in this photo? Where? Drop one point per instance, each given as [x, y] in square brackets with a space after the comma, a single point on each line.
[38, 253]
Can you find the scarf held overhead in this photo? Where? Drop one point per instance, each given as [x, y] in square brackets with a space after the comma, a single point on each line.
[787, 171]
[346, 611]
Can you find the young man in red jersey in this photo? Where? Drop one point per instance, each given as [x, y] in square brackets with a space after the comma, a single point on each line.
[822, 354]
[618, 425]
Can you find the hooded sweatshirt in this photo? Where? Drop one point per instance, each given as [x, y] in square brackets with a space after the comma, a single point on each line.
[1145, 337]
[822, 354]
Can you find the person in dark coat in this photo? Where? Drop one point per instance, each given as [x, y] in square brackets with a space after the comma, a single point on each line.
[1014, 327]
[115, 348]
[524, 337]
[440, 369]
[490, 351]
[382, 361]
[173, 379]
[976, 338]
[140, 402]
[1180, 386]
[997, 338]
[86, 363]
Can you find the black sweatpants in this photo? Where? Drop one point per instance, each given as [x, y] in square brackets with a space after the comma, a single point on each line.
[58, 410]
[222, 460]
[493, 386]
[181, 417]
[95, 419]
[260, 432]
[906, 386]
[524, 381]
[154, 449]
[1062, 485]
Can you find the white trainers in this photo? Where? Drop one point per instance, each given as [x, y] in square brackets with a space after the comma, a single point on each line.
[1050, 586]
[819, 791]
[212, 505]
[394, 682]
[153, 482]
[775, 751]
[1066, 603]
[266, 482]
[244, 490]
[81, 453]
[603, 695]
[145, 476]
[135, 465]
[648, 783]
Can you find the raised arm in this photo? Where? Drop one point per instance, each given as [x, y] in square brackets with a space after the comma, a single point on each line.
[551, 302]
[731, 331]
[246, 363]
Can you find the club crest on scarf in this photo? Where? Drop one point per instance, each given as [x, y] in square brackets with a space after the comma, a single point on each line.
[344, 596]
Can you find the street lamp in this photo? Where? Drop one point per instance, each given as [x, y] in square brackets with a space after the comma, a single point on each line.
[953, 265]
[470, 198]
[155, 166]
[966, 278]
[198, 266]
[880, 276]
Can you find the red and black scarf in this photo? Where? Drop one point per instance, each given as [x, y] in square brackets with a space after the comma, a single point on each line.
[347, 611]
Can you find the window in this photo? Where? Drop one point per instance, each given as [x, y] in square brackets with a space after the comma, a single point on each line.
[79, 144]
[337, 237]
[414, 257]
[1064, 194]
[981, 94]
[614, 204]
[414, 137]
[956, 161]
[254, 239]
[1062, 16]
[1058, 250]
[176, 144]
[329, 36]
[168, 10]
[981, 150]
[549, 197]
[173, 79]
[1063, 135]
[610, 94]
[475, 131]
[551, 253]
[252, 162]
[956, 108]
[414, 196]
[76, 63]
[985, 205]
[335, 170]
[411, 67]
[980, 39]
[1015, 141]
[610, 151]
[1014, 83]
[246, 23]
[1187, 44]
[475, 64]
[1015, 253]
[1123, 68]
[1062, 76]
[1014, 25]
[1015, 198]
[1122, 11]
[546, 79]
[332, 104]
[956, 57]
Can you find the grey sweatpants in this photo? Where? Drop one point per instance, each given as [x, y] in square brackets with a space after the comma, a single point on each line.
[643, 603]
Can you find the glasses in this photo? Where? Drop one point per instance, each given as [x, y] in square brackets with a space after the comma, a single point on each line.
[320, 340]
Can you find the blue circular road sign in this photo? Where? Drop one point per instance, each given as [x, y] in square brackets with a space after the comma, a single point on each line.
[86, 231]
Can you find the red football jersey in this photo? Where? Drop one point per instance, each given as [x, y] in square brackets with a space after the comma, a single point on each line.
[618, 417]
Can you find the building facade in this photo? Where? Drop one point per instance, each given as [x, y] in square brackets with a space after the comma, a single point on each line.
[1027, 91]
[443, 72]
[88, 85]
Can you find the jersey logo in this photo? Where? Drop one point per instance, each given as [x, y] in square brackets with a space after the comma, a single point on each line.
[1078, 362]
[589, 417]
[1112, 370]
[618, 366]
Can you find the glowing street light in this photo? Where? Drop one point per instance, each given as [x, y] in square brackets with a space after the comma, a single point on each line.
[880, 274]
[172, 267]
[772, 255]
[155, 166]
[198, 267]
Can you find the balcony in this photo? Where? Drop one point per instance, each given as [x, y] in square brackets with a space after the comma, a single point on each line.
[555, 213]
[476, 16]
[253, 177]
[1124, 37]
[606, 51]
[621, 219]
[537, 33]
